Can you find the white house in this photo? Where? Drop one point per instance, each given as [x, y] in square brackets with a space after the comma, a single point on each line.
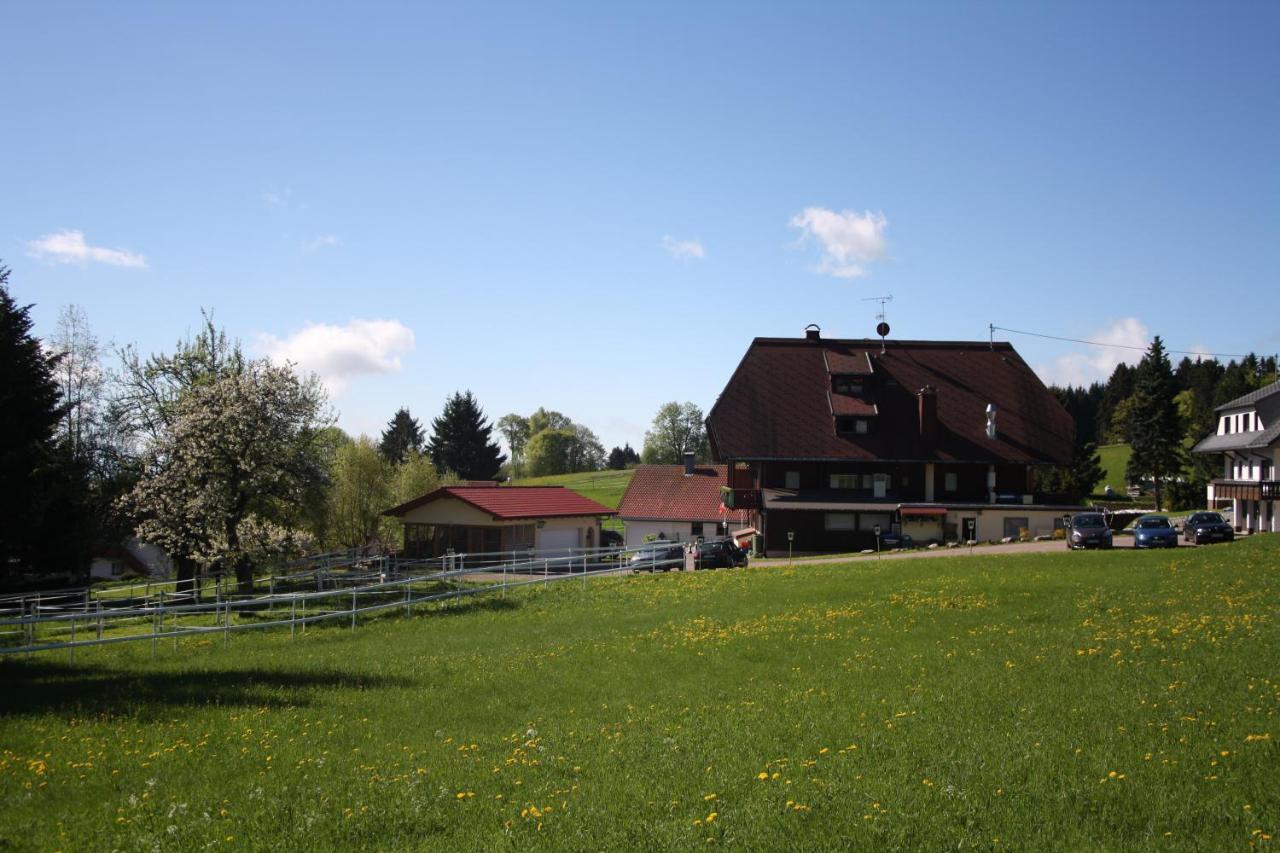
[1248, 437]
[680, 503]
[488, 519]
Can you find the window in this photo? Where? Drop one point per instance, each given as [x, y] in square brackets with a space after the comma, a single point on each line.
[1248, 421]
[949, 483]
[844, 481]
[839, 521]
[117, 568]
[846, 425]
[879, 485]
[792, 480]
[867, 480]
[860, 426]
[695, 529]
[1013, 526]
[867, 521]
[846, 384]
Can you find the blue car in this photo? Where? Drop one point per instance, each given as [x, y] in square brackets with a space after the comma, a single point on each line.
[1154, 531]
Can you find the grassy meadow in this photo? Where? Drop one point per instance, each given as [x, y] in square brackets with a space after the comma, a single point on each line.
[1114, 459]
[1104, 700]
[605, 487]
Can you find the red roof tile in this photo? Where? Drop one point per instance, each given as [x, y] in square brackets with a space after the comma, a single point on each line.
[511, 502]
[776, 404]
[663, 492]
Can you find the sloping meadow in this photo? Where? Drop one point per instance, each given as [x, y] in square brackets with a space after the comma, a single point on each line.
[1104, 700]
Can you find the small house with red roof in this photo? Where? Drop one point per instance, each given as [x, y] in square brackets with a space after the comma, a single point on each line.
[826, 441]
[485, 518]
[680, 503]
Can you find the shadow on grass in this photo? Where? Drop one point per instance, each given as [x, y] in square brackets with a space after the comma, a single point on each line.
[44, 686]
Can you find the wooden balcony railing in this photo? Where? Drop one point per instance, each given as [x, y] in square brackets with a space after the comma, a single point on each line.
[740, 498]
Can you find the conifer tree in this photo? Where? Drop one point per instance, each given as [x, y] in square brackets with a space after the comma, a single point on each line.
[402, 436]
[1155, 428]
[460, 440]
[43, 523]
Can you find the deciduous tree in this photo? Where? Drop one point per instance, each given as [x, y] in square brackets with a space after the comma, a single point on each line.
[240, 451]
[677, 429]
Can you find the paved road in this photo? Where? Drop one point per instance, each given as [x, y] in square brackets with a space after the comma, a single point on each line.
[1122, 543]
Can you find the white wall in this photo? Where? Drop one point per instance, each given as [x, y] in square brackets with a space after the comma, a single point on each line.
[640, 531]
[991, 521]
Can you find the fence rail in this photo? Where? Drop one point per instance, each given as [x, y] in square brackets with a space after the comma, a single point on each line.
[72, 619]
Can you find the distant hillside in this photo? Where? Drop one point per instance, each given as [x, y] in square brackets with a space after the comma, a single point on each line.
[1115, 458]
[605, 487]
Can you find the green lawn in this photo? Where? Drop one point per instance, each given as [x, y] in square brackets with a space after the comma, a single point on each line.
[1115, 458]
[605, 487]
[1096, 700]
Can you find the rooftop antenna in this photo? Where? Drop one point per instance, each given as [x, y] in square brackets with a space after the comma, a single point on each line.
[882, 328]
[991, 330]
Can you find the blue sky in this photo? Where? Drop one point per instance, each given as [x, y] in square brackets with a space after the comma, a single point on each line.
[595, 207]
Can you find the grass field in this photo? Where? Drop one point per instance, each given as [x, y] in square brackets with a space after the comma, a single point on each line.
[605, 487]
[1101, 700]
[1115, 458]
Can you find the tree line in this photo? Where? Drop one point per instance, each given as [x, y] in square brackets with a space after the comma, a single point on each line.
[227, 462]
[1161, 411]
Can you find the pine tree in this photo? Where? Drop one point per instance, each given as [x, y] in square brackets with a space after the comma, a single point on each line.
[460, 440]
[42, 523]
[402, 436]
[1155, 428]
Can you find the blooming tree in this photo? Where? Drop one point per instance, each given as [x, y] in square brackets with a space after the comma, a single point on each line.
[229, 474]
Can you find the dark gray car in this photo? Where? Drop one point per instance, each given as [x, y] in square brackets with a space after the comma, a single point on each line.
[1088, 530]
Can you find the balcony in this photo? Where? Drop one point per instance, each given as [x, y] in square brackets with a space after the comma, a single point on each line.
[1247, 490]
[740, 498]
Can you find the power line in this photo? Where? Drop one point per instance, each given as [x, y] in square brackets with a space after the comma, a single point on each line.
[1120, 346]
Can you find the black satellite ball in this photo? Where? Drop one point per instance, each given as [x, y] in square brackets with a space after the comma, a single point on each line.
[883, 329]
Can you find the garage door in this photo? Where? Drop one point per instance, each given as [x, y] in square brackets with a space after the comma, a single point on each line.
[560, 540]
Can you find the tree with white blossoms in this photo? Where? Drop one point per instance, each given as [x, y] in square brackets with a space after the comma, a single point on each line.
[229, 472]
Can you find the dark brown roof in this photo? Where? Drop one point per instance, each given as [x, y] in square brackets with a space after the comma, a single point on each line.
[508, 502]
[664, 492]
[776, 405]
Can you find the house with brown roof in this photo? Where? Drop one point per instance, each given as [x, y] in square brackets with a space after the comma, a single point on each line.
[679, 503]
[824, 441]
[486, 518]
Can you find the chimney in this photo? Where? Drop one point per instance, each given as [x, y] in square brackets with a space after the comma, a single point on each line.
[813, 332]
[928, 397]
[688, 463]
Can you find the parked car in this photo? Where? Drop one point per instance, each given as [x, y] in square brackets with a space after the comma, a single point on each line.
[665, 556]
[1088, 530]
[718, 554]
[1154, 531]
[1201, 527]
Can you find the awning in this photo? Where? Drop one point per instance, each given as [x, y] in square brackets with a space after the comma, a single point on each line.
[923, 510]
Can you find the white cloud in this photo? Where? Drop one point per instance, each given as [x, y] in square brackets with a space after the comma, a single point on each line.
[69, 247]
[277, 198]
[1097, 363]
[683, 248]
[339, 354]
[849, 240]
[320, 242]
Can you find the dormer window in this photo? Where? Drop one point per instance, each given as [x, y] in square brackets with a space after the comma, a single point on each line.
[846, 384]
[846, 425]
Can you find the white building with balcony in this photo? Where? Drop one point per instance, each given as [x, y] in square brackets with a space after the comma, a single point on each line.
[1248, 437]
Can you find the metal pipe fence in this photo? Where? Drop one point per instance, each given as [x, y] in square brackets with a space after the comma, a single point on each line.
[75, 619]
